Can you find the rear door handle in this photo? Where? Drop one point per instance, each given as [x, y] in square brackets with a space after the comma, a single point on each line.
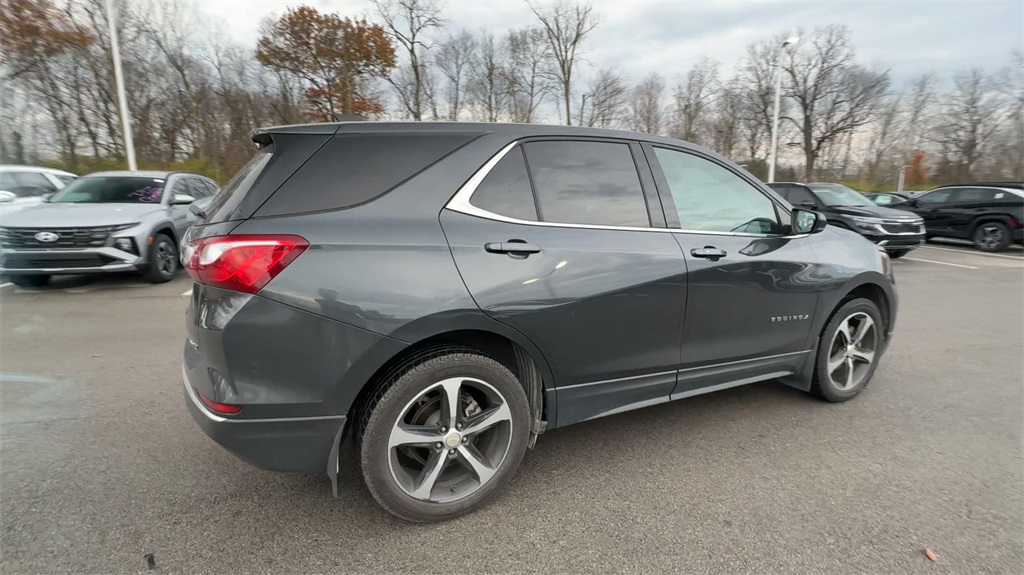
[709, 252]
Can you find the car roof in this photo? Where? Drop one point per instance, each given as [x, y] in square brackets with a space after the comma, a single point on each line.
[262, 135]
[132, 174]
[1005, 185]
[20, 168]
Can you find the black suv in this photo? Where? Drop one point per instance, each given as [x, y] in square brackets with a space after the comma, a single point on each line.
[894, 230]
[441, 294]
[988, 214]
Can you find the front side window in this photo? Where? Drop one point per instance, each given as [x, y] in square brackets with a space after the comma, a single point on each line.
[111, 190]
[26, 184]
[936, 197]
[506, 189]
[839, 195]
[795, 194]
[592, 183]
[710, 198]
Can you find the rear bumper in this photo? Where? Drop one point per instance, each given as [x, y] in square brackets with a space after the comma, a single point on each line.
[293, 444]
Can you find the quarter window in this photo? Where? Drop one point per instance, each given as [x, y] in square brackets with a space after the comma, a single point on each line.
[710, 198]
[587, 183]
[506, 189]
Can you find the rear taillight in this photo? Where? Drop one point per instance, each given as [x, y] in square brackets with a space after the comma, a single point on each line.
[242, 263]
[221, 408]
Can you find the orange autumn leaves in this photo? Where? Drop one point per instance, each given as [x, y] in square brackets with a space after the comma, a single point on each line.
[333, 57]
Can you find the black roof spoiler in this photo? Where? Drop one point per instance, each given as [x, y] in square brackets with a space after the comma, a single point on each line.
[263, 137]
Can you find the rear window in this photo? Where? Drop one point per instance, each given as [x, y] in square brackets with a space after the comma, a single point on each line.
[232, 193]
[352, 169]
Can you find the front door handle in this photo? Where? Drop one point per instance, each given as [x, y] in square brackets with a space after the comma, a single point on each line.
[708, 252]
[512, 247]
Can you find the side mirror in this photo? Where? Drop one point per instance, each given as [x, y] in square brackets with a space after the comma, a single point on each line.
[182, 199]
[807, 221]
[6, 196]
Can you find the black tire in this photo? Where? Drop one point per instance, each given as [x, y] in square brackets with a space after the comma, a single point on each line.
[161, 269]
[33, 281]
[897, 254]
[393, 401]
[823, 385]
[991, 237]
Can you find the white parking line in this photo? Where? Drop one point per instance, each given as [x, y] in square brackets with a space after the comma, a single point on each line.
[5, 284]
[940, 263]
[186, 294]
[971, 252]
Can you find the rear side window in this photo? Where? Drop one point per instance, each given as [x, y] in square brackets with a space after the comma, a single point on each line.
[352, 169]
[970, 195]
[936, 197]
[587, 183]
[506, 189]
[795, 195]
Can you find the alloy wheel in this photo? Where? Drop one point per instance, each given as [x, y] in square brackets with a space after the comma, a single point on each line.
[450, 440]
[165, 258]
[989, 236]
[852, 351]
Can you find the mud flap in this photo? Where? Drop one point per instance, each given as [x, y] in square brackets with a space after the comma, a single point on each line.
[534, 383]
[804, 376]
[333, 465]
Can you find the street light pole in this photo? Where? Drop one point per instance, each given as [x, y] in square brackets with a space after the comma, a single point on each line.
[122, 98]
[773, 152]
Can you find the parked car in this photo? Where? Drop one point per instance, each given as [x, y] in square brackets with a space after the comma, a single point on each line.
[988, 214]
[889, 198]
[22, 186]
[101, 223]
[441, 294]
[894, 230]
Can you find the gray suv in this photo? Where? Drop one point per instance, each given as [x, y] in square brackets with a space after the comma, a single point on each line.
[441, 294]
[104, 222]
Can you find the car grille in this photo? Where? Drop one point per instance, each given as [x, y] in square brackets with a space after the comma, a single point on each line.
[903, 228]
[63, 261]
[88, 237]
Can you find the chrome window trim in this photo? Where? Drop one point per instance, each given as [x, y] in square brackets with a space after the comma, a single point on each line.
[460, 203]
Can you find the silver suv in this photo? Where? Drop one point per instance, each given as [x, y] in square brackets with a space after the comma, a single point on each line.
[104, 222]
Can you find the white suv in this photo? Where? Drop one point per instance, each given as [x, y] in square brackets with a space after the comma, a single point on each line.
[22, 186]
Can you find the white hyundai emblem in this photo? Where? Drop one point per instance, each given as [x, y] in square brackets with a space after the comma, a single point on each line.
[47, 237]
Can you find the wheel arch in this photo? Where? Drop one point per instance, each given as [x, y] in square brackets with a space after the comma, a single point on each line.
[989, 218]
[167, 229]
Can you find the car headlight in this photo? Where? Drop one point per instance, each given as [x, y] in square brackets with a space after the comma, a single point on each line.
[871, 225]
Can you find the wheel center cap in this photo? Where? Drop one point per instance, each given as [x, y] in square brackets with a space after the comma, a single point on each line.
[454, 439]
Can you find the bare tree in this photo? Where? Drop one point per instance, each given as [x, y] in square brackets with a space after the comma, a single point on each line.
[970, 115]
[567, 25]
[755, 84]
[606, 97]
[489, 80]
[693, 99]
[833, 96]
[919, 101]
[646, 105]
[725, 124]
[883, 148]
[408, 22]
[453, 59]
[529, 55]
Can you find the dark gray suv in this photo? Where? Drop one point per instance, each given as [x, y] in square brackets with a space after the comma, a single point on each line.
[441, 294]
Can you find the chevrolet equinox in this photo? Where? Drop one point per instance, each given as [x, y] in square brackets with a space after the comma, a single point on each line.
[441, 294]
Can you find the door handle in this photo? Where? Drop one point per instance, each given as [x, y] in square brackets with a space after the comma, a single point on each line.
[512, 247]
[708, 252]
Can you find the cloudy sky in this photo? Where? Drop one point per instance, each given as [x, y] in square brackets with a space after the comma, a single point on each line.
[668, 36]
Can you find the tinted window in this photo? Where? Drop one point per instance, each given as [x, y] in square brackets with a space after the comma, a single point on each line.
[506, 189]
[795, 195]
[978, 195]
[352, 169]
[211, 188]
[587, 183]
[111, 190]
[886, 199]
[711, 198]
[197, 188]
[936, 197]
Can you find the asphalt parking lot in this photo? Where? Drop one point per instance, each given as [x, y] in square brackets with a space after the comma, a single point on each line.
[100, 463]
